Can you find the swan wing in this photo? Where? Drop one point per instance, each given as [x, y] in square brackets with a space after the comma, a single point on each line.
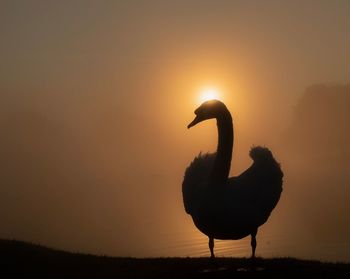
[195, 180]
[257, 190]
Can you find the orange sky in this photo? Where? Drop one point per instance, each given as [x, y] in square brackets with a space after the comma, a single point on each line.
[95, 100]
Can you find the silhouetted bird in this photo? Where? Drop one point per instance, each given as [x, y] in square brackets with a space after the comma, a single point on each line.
[223, 207]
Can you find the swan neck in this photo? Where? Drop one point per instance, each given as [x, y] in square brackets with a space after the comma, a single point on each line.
[222, 164]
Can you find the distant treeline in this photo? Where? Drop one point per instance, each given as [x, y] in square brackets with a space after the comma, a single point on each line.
[320, 127]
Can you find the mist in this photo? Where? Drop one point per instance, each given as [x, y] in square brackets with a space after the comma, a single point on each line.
[94, 104]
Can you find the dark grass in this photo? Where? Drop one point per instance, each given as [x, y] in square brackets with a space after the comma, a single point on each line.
[23, 259]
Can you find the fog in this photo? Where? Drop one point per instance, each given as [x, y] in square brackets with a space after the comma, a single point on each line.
[95, 100]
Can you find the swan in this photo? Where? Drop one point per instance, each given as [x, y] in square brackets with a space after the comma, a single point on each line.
[235, 207]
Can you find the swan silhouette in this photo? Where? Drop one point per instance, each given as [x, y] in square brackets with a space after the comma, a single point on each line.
[235, 207]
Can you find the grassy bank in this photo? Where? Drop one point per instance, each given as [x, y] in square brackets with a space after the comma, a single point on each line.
[20, 258]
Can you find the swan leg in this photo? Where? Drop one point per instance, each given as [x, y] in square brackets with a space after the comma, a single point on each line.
[253, 242]
[211, 247]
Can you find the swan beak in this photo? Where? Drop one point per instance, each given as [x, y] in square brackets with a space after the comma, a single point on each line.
[194, 122]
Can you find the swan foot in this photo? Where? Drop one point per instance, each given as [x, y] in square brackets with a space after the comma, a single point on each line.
[211, 247]
[253, 242]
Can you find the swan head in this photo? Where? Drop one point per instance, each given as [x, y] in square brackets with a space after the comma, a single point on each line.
[208, 110]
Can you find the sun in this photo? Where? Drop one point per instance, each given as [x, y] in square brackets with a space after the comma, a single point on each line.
[207, 94]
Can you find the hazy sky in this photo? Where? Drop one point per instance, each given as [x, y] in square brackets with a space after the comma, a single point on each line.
[95, 100]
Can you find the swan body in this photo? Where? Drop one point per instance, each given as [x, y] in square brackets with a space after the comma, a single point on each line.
[235, 207]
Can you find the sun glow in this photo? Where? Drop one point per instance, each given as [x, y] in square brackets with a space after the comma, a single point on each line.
[209, 94]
